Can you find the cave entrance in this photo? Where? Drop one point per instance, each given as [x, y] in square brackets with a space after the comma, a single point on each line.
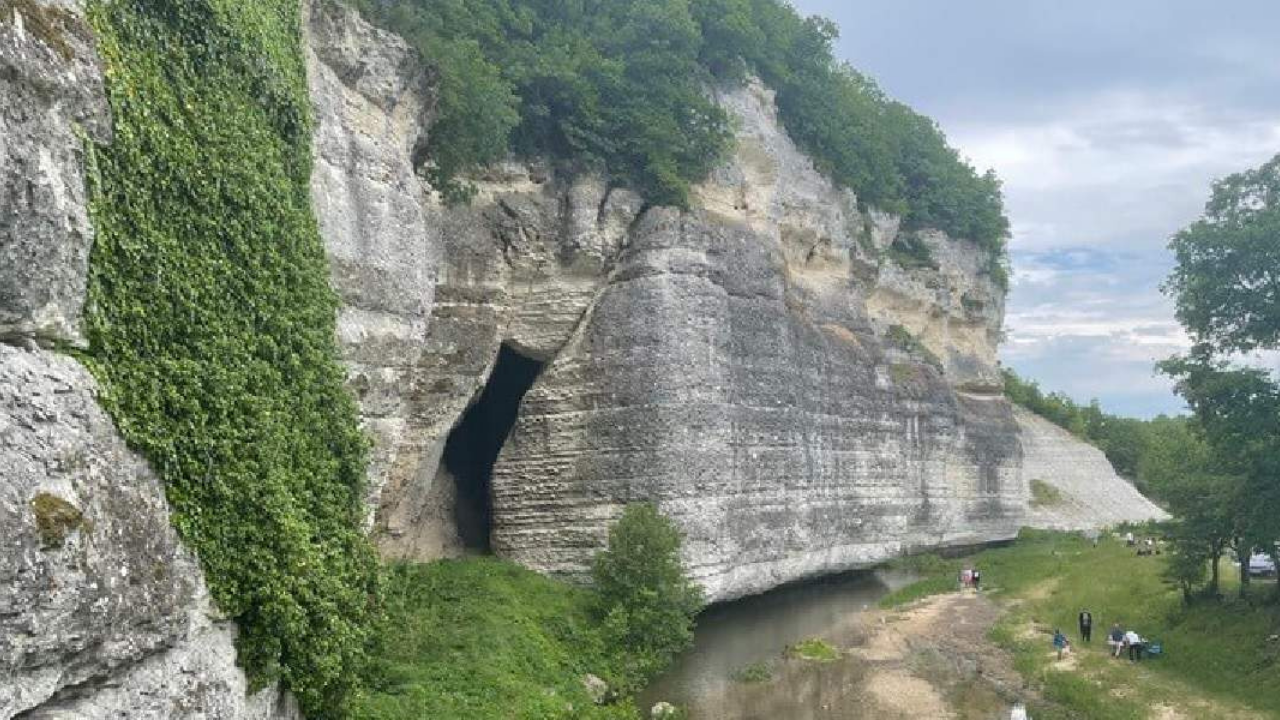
[472, 448]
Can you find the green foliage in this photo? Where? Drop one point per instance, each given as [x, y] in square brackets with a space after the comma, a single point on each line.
[903, 339]
[1125, 441]
[813, 649]
[1044, 495]
[211, 328]
[911, 252]
[1224, 286]
[1228, 264]
[485, 638]
[622, 83]
[647, 602]
[756, 672]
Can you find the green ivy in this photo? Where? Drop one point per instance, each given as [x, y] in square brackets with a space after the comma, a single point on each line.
[211, 328]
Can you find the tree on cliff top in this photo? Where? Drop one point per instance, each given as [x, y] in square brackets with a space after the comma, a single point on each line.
[621, 84]
[647, 601]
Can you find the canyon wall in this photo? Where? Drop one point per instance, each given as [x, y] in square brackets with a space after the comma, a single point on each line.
[103, 612]
[757, 364]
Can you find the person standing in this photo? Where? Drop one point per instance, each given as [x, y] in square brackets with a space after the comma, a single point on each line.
[977, 580]
[1086, 626]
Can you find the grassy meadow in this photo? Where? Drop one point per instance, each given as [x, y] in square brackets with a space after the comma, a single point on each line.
[1219, 657]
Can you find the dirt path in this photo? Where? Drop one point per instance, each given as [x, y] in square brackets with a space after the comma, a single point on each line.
[933, 659]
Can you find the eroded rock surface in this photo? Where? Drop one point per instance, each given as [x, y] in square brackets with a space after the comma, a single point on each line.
[103, 613]
[51, 102]
[1089, 492]
[758, 365]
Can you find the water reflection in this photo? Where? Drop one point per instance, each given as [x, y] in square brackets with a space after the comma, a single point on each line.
[757, 630]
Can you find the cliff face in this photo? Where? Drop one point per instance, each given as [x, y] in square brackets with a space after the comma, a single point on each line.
[103, 613]
[756, 364]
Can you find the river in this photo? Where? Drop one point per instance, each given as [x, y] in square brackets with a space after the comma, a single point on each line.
[732, 636]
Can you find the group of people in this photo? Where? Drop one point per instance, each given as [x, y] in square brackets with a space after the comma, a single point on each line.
[1146, 546]
[1119, 639]
[971, 578]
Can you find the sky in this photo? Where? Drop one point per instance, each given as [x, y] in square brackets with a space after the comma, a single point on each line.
[1107, 121]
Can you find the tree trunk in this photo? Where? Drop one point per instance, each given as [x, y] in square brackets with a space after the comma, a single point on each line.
[1214, 574]
[1243, 556]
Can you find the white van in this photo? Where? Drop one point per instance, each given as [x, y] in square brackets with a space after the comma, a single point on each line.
[1262, 565]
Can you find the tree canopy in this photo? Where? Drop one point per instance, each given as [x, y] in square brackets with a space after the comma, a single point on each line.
[1227, 290]
[623, 84]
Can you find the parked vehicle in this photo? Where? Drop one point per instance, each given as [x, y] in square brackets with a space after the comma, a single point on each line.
[1261, 565]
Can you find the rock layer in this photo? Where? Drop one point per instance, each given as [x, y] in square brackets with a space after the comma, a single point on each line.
[1089, 492]
[757, 365]
[51, 103]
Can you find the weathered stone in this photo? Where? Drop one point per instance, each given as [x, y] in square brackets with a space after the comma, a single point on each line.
[663, 711]
[757, 365]
[51, 103]
[597, 689]
[103, 613]
[430, 292]
[1092, 496]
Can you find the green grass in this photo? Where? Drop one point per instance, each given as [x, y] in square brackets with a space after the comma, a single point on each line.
[756, 672]
[484, 638]
[815, 649]
[1215, 652]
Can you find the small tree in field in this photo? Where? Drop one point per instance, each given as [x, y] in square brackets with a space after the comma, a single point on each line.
[647, 602]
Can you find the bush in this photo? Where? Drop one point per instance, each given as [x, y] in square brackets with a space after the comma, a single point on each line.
[911, 252]
[647, 602]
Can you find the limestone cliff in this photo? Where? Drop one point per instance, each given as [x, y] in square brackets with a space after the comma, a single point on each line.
[103, 613]
[756, 364]
[1089, 493]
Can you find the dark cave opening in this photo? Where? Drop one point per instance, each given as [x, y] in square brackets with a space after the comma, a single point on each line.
[472, 448]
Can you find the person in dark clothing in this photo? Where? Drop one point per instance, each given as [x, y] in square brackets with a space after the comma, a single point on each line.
[1116, 640]
[977, 580]
[1086, 626]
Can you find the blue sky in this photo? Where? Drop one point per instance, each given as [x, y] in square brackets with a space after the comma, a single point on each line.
[1107, 122]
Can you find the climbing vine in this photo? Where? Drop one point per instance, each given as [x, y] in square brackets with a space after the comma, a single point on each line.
[211, 328]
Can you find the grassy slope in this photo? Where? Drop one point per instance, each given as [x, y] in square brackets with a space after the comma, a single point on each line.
[1217, 655]
[483, 638]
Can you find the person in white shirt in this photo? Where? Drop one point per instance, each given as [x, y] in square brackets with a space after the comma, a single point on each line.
[1136, 645]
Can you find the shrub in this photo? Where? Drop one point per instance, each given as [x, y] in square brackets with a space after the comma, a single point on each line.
[912, 252]
[1044, 495]
[647, 602]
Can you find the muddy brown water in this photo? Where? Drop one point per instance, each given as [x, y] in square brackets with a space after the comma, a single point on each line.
[735, 635]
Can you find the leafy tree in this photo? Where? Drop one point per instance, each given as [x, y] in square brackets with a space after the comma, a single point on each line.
[647, 601]
[1226, 287]
[622, 84]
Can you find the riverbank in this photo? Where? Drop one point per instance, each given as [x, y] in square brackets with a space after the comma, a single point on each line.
[1220, 661]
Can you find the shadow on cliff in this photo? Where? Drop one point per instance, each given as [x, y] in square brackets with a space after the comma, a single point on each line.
[473, 446]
